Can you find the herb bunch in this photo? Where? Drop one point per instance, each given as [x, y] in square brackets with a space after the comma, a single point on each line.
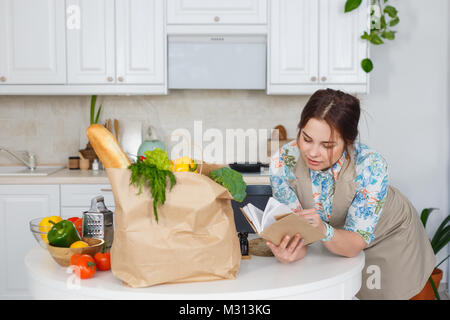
[152, 172]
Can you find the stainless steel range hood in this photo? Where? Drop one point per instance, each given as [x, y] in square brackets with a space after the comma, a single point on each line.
[217, 62]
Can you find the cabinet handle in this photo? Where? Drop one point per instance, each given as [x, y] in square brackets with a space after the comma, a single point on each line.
[110, 79]
[3, 79]
[323, 79]
[216, 19]
[313, 79]
[120, 79]
[106, 190]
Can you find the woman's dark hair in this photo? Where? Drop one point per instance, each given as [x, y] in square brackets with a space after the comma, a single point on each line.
[339, 109]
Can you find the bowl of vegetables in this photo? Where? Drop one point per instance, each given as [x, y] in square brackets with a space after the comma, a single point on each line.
[62, 255]
[62, 238]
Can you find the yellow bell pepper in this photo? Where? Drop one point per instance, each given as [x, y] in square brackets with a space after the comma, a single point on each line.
[184, 164]
[45, 225]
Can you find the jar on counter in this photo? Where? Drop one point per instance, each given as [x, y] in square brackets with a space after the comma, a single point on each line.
[74, 163]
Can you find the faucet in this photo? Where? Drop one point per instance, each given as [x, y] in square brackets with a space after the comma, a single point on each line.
[31, 163]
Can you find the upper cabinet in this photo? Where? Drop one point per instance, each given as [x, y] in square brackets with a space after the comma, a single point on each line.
[216, 11]
[119, 42]
[314, 44]
[140, 42]
[90, 42]
[32, 41]
[120, 46]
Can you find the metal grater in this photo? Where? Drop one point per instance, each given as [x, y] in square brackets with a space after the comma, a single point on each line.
[98, 222]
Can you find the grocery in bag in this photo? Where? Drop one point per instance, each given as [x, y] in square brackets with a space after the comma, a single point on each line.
[194, 238]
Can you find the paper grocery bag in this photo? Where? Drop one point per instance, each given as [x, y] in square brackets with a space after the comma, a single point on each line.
[195, 238]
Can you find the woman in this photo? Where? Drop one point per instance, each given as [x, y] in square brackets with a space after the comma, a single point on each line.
[341, 187]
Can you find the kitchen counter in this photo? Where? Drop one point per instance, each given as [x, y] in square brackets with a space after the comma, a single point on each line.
[320, 275]
[66, 176]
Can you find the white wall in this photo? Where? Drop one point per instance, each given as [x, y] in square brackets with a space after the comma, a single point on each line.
[407, 109]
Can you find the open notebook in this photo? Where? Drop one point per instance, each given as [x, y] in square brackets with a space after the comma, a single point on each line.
[278, 220]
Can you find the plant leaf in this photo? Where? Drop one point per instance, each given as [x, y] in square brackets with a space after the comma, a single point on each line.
[351, 5]
[442, 226]
[442, 241]
[365, 36]
[98, 114]
[394, 21]
[442, 261]
[93, 101]
[433, 285]
[425, 214]
[391, 11]
[367, 65]
[390, 35]
[375, 39]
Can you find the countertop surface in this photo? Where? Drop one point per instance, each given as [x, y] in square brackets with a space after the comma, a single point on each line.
[67, 176]
[320, 275]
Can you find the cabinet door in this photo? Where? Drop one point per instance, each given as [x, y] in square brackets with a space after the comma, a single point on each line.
[90, 41]
[293, 42]
[32, 40]
[18, 205]
[341, 48]
[81, 195]
[140, 35]
[216, 11]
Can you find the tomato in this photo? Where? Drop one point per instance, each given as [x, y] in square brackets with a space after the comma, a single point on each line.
[84, 266]
[74, 258]
[103, 261]
[78, 224]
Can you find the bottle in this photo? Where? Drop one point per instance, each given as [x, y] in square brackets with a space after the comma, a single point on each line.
[95, 165]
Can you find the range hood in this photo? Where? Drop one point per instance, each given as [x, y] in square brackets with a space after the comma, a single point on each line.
[217, 62]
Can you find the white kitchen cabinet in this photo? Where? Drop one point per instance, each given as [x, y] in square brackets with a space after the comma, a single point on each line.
[76, 198]
[216, 11]
[117, 42]
[314, 44]
[140, 42]
[18, 205]
[32, 38]
[341, 48]
[90, 42]
[293, 41]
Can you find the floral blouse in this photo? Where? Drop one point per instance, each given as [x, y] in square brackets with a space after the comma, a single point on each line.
[371, 191]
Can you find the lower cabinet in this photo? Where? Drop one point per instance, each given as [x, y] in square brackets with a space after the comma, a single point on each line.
[76, 198]
[18, 205]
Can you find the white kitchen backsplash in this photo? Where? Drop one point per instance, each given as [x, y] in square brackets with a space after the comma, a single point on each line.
[53, 127]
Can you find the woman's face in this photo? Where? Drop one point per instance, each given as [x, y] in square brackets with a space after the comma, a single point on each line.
[316, 144]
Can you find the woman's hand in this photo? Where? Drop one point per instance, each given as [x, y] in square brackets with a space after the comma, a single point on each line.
[313, 218]
[289, 252]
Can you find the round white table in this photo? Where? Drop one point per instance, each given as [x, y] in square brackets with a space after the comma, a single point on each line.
[320, 275]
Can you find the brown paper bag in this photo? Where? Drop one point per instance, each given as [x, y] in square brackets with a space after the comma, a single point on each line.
[195, 238]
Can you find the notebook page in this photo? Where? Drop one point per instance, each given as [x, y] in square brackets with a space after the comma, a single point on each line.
[255, 215]
[273, 208]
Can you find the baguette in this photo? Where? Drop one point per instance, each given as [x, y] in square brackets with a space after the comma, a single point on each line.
[106, 147]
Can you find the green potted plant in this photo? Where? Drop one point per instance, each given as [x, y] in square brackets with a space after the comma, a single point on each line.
[383, 17]
[440, 239]
[93, 102]
[89, 152]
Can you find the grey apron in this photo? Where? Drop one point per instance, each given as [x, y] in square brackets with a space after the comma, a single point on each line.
[400, 259]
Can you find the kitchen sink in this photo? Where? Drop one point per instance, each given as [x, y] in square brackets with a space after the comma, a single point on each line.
[24, 171]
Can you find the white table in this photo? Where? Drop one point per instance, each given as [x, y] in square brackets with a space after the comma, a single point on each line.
[320, 275]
